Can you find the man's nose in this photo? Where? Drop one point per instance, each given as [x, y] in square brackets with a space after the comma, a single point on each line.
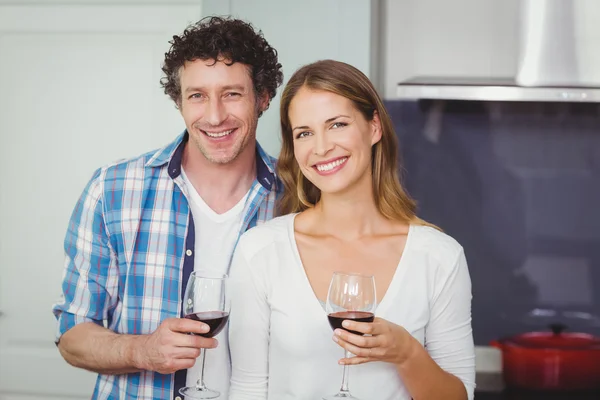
[215, 113]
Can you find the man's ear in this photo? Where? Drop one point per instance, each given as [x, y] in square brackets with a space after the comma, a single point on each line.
[262, 102]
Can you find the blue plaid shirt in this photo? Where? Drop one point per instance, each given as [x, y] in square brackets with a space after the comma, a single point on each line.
[126, 262]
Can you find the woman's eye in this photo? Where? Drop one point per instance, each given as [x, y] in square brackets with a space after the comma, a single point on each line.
[338, 125]
[302, 135]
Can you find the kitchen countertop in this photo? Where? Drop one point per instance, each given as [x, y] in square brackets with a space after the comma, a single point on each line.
[491, 387]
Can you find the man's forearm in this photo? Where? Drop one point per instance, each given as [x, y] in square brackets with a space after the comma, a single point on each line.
[100, 350]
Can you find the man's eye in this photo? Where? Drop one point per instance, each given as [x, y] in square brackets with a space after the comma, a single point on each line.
[233, 94]
[196, 96]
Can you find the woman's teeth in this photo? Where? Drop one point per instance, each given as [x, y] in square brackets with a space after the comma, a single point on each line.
[331, 165]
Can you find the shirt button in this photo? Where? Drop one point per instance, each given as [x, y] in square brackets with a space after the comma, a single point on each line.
[177, 398]
[188, 252]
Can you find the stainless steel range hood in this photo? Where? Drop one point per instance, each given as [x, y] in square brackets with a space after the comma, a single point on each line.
[558, 60]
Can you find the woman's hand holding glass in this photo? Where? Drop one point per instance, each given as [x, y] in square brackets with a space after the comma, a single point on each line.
[383, 341]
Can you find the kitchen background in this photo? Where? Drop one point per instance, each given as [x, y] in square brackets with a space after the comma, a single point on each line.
[516, 182]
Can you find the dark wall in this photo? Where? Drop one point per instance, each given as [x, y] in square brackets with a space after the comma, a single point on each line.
[518, 185]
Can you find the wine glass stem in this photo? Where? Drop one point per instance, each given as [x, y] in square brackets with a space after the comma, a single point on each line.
[344, 388]
[200, 384]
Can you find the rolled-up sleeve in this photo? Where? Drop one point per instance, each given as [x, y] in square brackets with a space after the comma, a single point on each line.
[449, 336]
[90, 277]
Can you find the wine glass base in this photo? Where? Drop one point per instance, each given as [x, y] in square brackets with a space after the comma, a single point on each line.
[195, 392]
[341, 395]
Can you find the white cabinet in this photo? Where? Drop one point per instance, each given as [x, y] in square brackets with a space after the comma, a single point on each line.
[79, 89]
[476, 38]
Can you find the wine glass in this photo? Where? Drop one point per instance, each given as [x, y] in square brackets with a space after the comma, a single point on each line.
[350, 296]
[205, 300]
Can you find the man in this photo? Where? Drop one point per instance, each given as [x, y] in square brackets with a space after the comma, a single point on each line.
[143, 225]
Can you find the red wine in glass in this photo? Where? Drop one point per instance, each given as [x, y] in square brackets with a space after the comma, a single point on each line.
[336, 319]
[216, 321]
[205, 300]
[350, 297]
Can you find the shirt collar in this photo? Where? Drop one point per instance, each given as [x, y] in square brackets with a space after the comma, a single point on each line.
[172, 154]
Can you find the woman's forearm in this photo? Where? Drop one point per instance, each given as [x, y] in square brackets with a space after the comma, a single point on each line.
[425, 380]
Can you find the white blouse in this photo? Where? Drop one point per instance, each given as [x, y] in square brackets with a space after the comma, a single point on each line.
[281, 341]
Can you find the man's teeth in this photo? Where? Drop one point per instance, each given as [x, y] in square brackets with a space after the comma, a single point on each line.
[218, 134]
[331, 165]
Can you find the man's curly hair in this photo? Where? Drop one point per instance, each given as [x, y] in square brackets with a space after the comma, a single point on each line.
[214, 38]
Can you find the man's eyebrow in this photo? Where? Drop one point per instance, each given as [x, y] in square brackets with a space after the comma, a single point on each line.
[239, 88]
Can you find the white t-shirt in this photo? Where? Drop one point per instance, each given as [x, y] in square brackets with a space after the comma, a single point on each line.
[280, 338]
[216, 236]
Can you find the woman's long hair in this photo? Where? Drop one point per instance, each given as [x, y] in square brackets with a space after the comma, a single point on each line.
[391, 199]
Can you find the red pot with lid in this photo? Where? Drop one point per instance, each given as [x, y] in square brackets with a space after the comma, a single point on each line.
[555, 360]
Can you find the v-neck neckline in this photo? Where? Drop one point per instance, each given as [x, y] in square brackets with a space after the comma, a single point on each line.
[396, 278]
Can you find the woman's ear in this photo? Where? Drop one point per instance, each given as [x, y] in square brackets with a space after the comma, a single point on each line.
[376, 131]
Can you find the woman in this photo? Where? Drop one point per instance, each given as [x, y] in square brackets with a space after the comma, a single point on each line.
[347, 211]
